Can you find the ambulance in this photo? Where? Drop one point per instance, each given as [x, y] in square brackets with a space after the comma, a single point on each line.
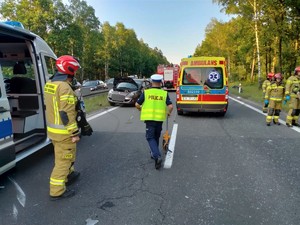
[26, 63]
[202, 85]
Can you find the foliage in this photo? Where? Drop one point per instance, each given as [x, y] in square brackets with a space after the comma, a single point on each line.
[277, 24]
[103, 50]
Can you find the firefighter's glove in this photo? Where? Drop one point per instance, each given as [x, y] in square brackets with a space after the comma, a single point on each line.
[287, 97]
[266, 102]
[86, 130]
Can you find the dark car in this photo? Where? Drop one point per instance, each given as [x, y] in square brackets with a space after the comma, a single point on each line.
[94, 85]
[126, 90]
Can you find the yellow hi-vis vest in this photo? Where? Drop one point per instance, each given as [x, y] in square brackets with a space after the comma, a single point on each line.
[154, 106]
[59, 96]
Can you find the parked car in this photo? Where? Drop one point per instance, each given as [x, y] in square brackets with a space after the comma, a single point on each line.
[94, 85]
[126, 90]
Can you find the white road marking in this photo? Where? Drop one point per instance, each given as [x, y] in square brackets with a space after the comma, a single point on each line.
[260, 111]
[15, 212]
[170, 154]
[20, 193]
[89, 221]
[101, 114]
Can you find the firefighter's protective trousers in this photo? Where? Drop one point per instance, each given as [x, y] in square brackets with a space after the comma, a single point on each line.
[292, 88]
[294, 110]
[65, 155]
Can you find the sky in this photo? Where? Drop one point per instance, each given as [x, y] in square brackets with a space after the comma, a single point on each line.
[175, 27]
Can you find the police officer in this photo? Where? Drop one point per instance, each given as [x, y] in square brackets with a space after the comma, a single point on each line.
[265, 85]
[62, 128]
[273, 98]
[292, 89]
[155, 105]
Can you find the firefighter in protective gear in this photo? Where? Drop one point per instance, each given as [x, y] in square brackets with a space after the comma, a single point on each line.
[274, 96]
[62, 128]
[292, 91]
[154, 104]
[265, 85]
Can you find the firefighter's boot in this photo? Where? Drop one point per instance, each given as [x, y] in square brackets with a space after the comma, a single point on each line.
[67, 194]
[72, 177]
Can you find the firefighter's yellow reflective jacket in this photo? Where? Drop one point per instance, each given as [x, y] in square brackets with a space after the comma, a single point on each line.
[275, 92]
[154, 107]
[292, 86]
[60, 100]
[265, 84]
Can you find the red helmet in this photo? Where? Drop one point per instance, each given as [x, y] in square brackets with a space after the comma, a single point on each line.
[297, 69]
[270, 75]
[67, 64]
[278, 76]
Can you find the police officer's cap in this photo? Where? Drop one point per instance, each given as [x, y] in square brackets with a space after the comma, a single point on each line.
[156, 78]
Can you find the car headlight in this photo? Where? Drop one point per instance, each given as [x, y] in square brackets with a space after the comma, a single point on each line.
[110, 92]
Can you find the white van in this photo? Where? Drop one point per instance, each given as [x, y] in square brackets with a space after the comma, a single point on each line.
[26, 63]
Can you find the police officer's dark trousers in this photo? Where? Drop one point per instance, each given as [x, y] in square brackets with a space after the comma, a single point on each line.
[153, 131]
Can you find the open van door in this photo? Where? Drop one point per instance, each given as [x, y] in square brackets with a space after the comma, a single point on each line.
[7, 148]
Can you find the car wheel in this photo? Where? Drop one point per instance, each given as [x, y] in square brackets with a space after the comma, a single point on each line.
[112, 104]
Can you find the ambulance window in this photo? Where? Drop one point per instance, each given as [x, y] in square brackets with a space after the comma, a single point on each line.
[210, 76]
[191, 76]
[51, 69]
[213, 77]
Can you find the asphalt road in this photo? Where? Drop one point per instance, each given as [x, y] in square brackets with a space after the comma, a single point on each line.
[231, 170]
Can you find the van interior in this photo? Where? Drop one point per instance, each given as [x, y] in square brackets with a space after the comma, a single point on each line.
[22, 86]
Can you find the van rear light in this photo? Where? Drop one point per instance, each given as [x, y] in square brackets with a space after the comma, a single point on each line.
[226, 93]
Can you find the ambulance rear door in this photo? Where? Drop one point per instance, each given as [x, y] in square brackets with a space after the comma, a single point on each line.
[7, 147]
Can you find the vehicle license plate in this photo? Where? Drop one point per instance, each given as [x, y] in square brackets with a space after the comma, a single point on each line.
[190, 98]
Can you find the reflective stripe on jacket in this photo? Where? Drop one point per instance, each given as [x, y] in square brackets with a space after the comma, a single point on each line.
[59, 97]
[154, 106]
[275, 92]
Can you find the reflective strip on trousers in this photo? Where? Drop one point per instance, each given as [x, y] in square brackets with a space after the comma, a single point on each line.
[57, 182]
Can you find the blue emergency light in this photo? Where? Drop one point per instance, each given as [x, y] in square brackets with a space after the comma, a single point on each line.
[14, 23]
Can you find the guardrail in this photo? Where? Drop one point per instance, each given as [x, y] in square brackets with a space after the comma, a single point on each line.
[86, 92]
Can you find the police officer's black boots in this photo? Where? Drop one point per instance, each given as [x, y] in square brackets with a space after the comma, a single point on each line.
[158, 162]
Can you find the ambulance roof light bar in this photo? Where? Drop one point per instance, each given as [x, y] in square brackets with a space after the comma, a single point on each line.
[13, 23]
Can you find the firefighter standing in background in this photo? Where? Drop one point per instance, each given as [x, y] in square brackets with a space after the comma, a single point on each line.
[273, 98]
[154, 104]
[292, 89]
[265, 84]
[62, 128]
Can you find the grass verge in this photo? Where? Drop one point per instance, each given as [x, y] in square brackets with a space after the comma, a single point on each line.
[94, 103]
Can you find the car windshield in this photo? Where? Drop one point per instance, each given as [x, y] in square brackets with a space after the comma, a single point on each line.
[210, 76]
[127, 86]
[90, 83]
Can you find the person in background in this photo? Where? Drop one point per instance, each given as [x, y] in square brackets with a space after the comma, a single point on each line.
[273, 98]
[62, 128]
[155, 105]
[265, 85]
[292, 88]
